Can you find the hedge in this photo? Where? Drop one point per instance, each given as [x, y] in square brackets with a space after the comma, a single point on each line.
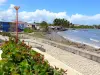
[20, 59]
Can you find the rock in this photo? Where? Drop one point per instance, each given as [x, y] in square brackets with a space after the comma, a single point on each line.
[42, 49]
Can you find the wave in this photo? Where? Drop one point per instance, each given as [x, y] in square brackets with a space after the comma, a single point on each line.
[75, 30]
[94, 40]
[92, 45]
[89, 44]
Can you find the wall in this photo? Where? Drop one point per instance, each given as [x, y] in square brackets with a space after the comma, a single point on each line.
[5, 26]
[86, 54]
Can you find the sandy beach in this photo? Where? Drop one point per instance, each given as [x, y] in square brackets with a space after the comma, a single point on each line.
[80, 64]
[59, 39]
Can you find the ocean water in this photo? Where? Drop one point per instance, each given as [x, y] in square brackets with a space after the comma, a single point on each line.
[89, 37]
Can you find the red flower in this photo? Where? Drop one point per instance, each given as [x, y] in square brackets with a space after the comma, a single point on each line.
[38, 54]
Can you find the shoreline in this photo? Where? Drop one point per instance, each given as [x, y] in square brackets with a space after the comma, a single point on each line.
[60, 39]
[78, 42]
[85, 44]
[53, 36]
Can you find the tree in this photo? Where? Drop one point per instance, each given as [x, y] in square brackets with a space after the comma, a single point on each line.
[72, 26]
[57, 22]
[61, 22]
[44, 26]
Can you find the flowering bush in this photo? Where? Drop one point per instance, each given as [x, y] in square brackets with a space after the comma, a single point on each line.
[20, 59]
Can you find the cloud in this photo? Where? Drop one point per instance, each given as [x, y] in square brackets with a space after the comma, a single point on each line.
[44, 15]
[7, 15]
[84, 19]
[40, 15]
[2, 2]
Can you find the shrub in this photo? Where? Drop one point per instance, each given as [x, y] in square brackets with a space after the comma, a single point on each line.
[28, 30]
[5, 34]
[20, 59]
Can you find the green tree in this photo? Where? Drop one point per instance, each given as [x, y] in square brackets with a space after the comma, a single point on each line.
[57, 22]
[44, 26]
[84, 27]
[61, 22]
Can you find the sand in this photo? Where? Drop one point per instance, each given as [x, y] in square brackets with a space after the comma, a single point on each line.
[80, 64]
[57, 38]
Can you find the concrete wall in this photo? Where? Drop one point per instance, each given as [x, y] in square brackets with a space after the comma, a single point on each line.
[86, 54]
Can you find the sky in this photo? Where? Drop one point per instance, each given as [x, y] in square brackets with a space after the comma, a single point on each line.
[76, 11]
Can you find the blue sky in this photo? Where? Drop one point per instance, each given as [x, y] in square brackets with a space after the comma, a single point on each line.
[87, 7]
[76, 11]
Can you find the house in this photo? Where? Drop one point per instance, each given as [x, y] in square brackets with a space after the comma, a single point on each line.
[11, 26]
[33, 26]
[37, 26]
[29, 25]
[21, 25]
[4, 26]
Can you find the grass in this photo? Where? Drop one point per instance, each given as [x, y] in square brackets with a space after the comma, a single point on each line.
[38, 34]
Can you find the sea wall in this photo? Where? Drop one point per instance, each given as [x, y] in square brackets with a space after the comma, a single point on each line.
[83, 53]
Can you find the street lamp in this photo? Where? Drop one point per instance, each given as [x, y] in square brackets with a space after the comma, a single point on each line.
[16, 8]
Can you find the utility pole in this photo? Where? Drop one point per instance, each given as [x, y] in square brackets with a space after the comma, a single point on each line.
[16, 8]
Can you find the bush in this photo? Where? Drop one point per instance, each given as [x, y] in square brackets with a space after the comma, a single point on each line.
[28, 30]
[44, 26]
[20, 59]
[5, 34]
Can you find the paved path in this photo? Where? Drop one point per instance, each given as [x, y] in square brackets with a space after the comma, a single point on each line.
[54, 62]
[81, 64]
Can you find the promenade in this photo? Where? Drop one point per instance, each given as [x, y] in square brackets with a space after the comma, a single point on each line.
[79, 63]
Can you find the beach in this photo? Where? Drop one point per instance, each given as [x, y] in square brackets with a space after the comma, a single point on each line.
[54, 36]
[79, 63]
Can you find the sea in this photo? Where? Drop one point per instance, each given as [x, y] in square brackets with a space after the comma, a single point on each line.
[89, 37]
